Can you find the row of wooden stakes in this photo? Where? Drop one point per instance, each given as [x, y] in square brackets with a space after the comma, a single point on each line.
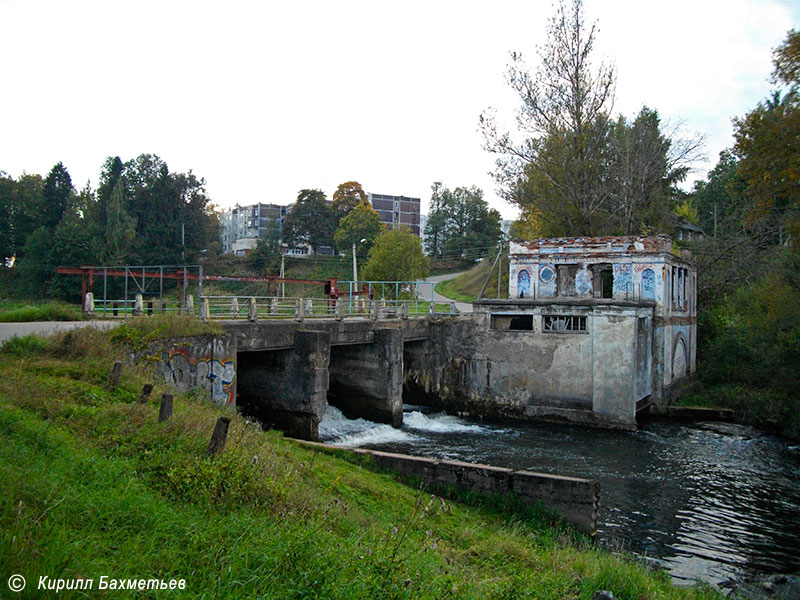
[218, 437]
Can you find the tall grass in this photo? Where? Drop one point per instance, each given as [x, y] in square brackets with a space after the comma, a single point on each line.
[13, 312]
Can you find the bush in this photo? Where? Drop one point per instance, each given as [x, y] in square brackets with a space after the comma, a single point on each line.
[29, 345]
[748, 347]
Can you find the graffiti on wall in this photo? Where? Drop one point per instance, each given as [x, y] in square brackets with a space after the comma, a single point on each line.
[187, 372]
[583, 282]
[622, 278]
[523, 284]
[547, 280]
[648, 284]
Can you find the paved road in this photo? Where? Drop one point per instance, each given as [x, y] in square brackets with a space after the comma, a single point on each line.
[463, 307]
[9, 330]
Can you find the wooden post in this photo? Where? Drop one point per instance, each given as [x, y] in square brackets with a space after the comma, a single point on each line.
[219, 437]
[116, 373]
[165, 412]
[144, 395]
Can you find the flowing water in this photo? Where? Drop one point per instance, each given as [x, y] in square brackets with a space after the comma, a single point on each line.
[706, 501]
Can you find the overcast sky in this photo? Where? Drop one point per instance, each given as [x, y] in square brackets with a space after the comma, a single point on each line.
[263, 99]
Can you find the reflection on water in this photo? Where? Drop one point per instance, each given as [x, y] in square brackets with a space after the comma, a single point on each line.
[707, 501]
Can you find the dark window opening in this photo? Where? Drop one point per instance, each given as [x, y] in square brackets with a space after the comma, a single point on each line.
[512, 322]
[607, 283]
[563, 323]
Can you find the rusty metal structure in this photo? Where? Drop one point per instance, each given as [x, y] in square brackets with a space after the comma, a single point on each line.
[151, 280]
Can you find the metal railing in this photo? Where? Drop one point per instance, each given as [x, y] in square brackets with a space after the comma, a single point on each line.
[255, 308]
[114, 309]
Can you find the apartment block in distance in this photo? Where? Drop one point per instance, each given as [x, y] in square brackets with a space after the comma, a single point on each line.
[396, 211]
[242, 226]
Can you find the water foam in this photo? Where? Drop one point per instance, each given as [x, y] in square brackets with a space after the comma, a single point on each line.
[440, 423]
[337, 429]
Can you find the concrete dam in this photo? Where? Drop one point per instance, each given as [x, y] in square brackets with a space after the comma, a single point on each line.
[285, 373]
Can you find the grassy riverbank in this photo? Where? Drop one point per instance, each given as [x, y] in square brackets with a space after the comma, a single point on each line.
[93, 485]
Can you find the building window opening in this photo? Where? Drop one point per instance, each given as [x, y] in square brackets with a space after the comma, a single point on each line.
[563, 323]
[607, 283]
[512, 322]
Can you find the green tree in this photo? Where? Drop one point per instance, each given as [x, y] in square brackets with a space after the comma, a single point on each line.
[576, 171]
[120, 227]
[26, 210]
[172, 216]
[264, 258]
[310, 221]
[57, 194]
[461, 224]
[37, 264]
[346, 197]
[361, 223]
[645, 166]
[435, 228]
[7, 192]
[563, 120]
[396, 256]
[73, 245]
[768, 147]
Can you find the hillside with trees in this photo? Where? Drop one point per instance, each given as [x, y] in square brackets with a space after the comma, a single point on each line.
[749, 261]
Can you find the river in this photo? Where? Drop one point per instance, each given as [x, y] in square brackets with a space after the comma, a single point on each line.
[706, 501]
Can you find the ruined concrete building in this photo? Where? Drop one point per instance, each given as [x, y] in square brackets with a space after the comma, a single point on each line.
[594, 329]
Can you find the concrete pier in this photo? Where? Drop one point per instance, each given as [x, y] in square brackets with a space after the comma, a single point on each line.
[366, 380]
[288, 388]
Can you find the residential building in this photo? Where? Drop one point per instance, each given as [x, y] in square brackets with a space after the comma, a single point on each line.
[242, 226]
[397, 211]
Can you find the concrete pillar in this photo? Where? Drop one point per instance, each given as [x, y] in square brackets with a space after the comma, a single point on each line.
[338, 311]
[377, 392]
[252, 310]
[234, 307]
[299, 310]
[138, 304]
[190, 304]
[287, 388]
[88, 304]
[273, 306]
[205, 309]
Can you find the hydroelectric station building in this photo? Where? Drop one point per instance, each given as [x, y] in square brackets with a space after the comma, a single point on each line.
[594, 329]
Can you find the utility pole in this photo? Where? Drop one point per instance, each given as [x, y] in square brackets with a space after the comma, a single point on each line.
[283, 288]
[355, 266]
[499, 269]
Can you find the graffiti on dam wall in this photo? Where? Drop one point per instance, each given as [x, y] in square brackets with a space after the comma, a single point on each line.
[187, 372]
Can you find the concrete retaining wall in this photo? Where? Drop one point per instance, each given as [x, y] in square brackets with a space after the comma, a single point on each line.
[204, 361]
[575, 499]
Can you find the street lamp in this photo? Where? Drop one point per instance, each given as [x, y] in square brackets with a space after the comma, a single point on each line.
[355, 266]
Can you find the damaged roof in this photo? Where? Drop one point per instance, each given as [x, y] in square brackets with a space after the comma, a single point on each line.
[603, 244]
